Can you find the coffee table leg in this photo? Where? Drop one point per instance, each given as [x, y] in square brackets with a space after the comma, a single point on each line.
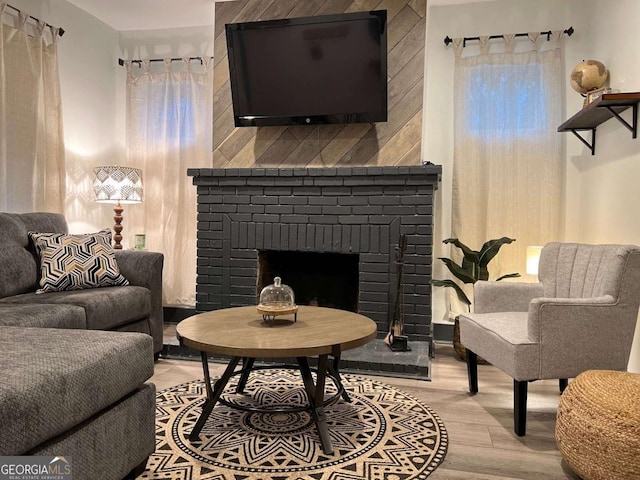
[315, 393]
[212, 394]
[334, 369]
[247, 365]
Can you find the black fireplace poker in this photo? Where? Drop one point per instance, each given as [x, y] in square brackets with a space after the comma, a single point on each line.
[396, 340]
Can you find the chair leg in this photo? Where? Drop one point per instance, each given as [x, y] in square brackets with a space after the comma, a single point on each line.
[472, 371]
[520, 407]
[563, 384]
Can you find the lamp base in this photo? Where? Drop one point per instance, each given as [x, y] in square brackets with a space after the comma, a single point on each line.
[117, 228]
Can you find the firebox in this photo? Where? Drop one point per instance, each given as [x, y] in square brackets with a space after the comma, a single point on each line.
[321, 279]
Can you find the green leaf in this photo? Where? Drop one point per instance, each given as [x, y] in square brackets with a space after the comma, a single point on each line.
[508, 275]
[469, 254]
[491, 248]
[471, 267]
[483, 273]
[462, 274]
[450, 283]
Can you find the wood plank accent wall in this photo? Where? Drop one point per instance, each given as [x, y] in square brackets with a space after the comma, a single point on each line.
[396, 142]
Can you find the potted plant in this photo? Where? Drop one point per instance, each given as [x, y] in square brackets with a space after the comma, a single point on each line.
[474, 267]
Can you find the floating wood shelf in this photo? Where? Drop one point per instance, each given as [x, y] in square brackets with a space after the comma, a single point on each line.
[609, 105]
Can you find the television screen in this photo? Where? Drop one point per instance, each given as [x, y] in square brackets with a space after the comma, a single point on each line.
[309, 70]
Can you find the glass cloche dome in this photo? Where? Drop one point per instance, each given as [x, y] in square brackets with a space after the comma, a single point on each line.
[277, 299]
[277, 295]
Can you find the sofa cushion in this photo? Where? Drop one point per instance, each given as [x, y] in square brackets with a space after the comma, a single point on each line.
[75, 262]
[44, 316]
[18, 266]
[53, 379]
[105, 308]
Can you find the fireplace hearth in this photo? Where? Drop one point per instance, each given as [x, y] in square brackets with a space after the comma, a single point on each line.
[248, 218]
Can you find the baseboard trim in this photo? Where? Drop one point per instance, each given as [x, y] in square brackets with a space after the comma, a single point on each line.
[177, 314]
[443, 332]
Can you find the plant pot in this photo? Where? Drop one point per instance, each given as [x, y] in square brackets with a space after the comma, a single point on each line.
[458, 347]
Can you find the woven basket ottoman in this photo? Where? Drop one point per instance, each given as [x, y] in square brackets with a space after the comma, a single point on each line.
[598, 425]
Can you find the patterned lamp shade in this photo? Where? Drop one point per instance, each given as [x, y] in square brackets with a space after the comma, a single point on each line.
[113, 184]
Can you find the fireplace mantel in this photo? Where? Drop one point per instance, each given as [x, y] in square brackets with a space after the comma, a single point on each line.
[362, 210]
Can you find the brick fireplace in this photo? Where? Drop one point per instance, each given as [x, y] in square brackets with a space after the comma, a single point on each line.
[360, 212]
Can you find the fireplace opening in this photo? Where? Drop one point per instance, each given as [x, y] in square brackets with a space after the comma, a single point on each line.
[323, 279]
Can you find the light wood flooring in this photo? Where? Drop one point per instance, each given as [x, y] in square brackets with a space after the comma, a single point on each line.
[482, 444]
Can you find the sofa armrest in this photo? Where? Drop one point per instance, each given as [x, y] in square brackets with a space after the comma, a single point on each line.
[144, 269]
[494, 296]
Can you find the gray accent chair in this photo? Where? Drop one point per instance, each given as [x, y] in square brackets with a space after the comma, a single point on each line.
[580, 316]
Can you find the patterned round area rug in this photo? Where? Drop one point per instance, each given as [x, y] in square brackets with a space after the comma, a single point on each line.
[382, 434]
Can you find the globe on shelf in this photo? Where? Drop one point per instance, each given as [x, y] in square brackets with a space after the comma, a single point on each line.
[589, 75]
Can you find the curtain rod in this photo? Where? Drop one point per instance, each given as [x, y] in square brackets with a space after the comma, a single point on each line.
[60, 30]
[447, 40]
[177, 59]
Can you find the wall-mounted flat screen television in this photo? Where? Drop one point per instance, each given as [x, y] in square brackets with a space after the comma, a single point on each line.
[309, 70]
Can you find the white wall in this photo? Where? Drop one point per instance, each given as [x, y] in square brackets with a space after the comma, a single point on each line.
[93, 97]
[609, 195]
[474, 19]
[600, 191]
[87, 56]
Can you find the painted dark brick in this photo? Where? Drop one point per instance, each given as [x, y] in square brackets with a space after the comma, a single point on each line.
[258, 218]
[278, 209]
[352, 200]
[291, 200]
[294, 218]
[307, 210]
[352, 219]
[265, 200]
[323, 200]
[251, 208]
[336, 210]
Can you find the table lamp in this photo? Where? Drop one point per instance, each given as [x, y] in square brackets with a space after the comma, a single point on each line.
[533, 258]
[119, 185]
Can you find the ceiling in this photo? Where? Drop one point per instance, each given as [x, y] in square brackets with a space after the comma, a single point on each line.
[122, 15]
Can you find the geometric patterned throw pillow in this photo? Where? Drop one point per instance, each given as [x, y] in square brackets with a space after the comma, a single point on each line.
[75, 262]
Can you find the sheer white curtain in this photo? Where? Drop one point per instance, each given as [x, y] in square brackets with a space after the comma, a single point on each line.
[507, 172]
[32, 173]
[169, 118]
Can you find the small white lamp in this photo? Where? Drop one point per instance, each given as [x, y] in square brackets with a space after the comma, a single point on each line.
[533, 258]
[115, 184]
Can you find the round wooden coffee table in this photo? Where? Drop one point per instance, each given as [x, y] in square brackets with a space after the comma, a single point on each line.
[242, 334]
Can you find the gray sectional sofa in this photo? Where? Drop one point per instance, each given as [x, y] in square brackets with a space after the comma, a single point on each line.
[134, 308]
[74, 363]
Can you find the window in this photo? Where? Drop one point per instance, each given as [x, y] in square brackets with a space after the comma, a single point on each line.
[504, 98]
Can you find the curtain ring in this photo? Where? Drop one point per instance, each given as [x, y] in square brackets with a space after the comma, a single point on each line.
[484, 44]
[508, 42]
[22, 19]
[457, 46]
